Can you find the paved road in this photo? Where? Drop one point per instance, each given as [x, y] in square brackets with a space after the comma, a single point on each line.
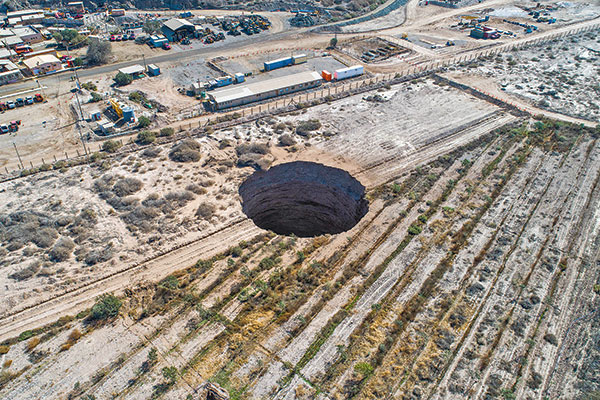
[168, 56]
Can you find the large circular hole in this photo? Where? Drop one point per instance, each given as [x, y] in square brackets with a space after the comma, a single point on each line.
[303, 198]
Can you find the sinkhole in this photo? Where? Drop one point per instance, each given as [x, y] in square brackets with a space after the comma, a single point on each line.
[303, 198]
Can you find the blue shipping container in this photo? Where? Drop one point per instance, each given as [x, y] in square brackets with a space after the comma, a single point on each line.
[280, 63]
[153, 70]
[224, 81]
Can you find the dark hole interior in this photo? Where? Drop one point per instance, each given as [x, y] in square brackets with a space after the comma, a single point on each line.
[303, 198]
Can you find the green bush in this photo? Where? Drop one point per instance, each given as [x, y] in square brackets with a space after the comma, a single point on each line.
[110, 146]
[414, 229]
[363, 368]
[170, 374]
[167, 131]
[89, 86]
[96, 97]
[170, 282]
[144, 122]
[123, 79]
[137, 96]
[145, 137]
[107, 306]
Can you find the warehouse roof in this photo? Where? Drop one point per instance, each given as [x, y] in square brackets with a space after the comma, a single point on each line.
[238, 92]
[5, 53]
[6, 65]
[133, 69]
[177, 23]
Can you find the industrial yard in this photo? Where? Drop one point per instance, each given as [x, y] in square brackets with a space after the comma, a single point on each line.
[394, 201]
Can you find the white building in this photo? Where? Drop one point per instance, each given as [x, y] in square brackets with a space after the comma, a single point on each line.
[9, 72]
[43, 64]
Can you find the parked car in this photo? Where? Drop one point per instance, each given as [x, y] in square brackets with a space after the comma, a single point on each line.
[113, 38]
[38, 98]
[4, 129]
[29, 100]
[118, 38]
[14, 125]
[20, 102]
[3, 106]
[10, 104]
[167, 46]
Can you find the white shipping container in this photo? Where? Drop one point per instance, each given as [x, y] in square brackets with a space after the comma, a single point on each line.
[299, 58]
[349, 72]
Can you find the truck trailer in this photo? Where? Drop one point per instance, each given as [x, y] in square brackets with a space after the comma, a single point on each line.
[350, 72]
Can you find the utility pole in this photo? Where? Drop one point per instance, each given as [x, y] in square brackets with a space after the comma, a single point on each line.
[145, 67]
[80, 111]
[18, 156]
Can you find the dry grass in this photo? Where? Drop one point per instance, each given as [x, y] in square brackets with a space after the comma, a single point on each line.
[32, 344]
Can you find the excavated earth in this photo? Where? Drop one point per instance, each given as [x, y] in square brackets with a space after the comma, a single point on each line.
[304, 198]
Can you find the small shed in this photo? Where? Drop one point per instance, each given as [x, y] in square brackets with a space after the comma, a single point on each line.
[106, 126]
[153, 70]
[95, 115]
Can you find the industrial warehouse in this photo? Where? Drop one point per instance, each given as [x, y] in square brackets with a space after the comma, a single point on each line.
[240, 95]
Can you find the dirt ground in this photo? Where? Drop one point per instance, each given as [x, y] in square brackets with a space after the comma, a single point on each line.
[374, 305]
[564, 79]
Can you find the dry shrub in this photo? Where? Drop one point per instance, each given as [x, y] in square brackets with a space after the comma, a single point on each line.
[141, 217]
[4, 349]
[305, 127]
[65, 346]
[252, 148]
[185, 151]
[179, 198]
[45, 237]
[151, 152]
[206, 210]
[75, 335]
[254, 160]
[32, 344]
[195, 189]
[286, 140]
[62, 250]
[98, 255]
[167, 204]
[26, 272]
[127, 186]
[7, 364]
[207, 183]
[104, 183]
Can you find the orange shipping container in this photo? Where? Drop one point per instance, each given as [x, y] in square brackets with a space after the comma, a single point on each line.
[327, 75]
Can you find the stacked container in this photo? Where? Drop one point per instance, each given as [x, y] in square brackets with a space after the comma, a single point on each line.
[327, 75]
